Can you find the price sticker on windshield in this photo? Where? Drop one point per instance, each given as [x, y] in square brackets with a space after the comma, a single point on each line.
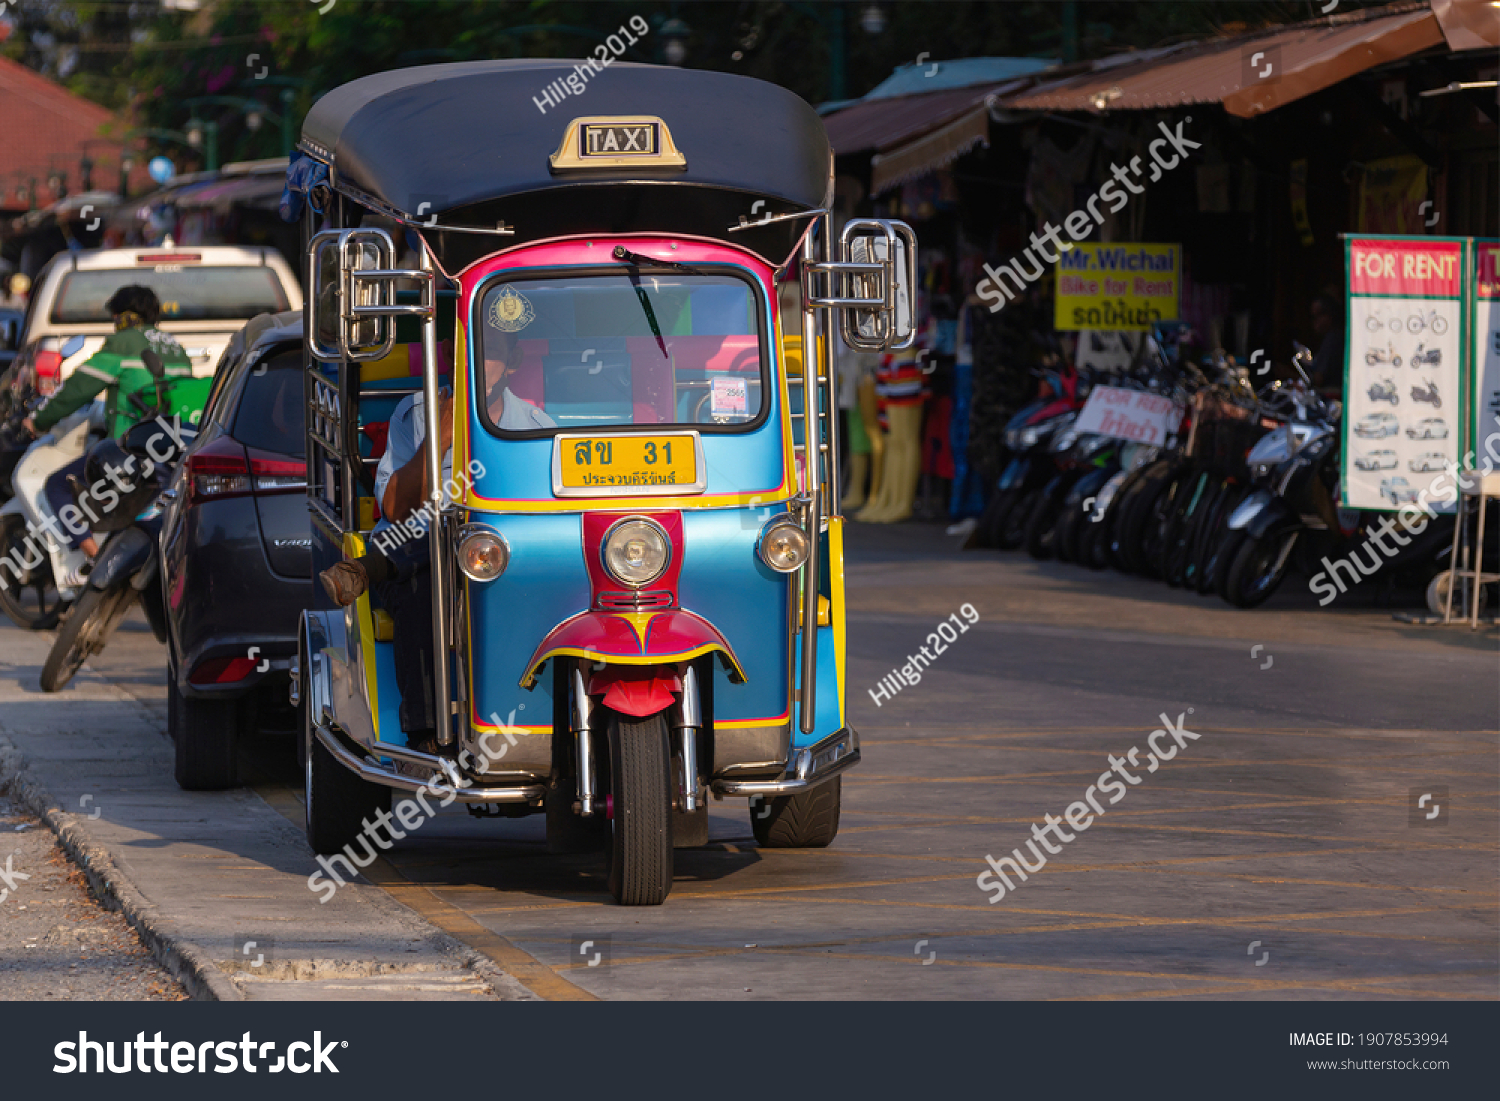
[627, 464]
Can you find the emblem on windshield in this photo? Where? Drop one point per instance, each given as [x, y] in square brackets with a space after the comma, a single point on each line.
[510, 311]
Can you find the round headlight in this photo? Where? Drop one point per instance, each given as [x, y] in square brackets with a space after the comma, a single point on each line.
[483, 553]
[636, 552]
[783, 545]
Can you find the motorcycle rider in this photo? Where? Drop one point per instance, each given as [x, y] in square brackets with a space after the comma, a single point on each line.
[117, 369]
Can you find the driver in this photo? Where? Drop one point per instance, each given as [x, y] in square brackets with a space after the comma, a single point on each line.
[130, 396]
[399, 576]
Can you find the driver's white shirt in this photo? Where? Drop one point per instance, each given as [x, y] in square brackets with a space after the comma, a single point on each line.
[407, 429]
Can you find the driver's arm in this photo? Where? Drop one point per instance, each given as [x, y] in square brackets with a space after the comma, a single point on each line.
[101, 370]
[407, 486]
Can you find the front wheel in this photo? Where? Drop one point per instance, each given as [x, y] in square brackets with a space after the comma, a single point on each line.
[95, 617]
[640, 779]
[809, 820]
[1258, 568]
[28, 597]
[338, 801]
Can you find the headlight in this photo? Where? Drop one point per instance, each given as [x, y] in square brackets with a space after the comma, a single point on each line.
[636, 551]
[483, 552]
[1029, 436]
[782, 545]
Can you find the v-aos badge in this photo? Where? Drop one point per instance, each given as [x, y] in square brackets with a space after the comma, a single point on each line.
[613, 142]
[511, 311]
[627, 465]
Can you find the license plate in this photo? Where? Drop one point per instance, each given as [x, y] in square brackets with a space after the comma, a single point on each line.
[627, 464]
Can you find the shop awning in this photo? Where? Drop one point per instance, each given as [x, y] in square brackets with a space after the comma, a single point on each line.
[1254, 73]
[931, 151]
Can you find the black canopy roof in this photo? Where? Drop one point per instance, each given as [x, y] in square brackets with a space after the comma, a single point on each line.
[470, 142]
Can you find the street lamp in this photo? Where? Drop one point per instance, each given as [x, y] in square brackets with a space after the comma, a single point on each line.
[205, 135]
[127, 165]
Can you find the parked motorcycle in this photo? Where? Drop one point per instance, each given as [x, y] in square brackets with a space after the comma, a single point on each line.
[1374, 357]
[1384, 390]
[127, 563]
[1427, 394]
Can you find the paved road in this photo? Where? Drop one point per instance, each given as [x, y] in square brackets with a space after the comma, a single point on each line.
[1276, 856]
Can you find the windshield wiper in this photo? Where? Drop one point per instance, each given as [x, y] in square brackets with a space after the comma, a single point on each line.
[636, 259]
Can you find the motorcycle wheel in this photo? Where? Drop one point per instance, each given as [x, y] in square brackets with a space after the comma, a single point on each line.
[1216, 540]
[30, 601]
[1094, 540]
[93, 619]
[1134, 514]
[806, 821]
[639, 857]
[987, 530]
[1195, 549]
[1068, 532]
[1258, 569]
[1013, 527]
[1040, 540]
[1370, 359]
[1154, 531]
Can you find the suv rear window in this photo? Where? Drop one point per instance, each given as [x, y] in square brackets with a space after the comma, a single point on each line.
[187, 293]
[269, 414]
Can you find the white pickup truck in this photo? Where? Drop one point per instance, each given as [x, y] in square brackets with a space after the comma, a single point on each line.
[207, 293]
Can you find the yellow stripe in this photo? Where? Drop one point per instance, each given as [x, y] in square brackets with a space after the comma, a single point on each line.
[354, 547]
[757, 499]
[836, 611]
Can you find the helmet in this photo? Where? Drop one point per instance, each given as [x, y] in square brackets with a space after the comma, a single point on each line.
[141, 301]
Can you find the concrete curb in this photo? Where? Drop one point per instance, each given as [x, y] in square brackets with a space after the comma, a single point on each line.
[184, 960]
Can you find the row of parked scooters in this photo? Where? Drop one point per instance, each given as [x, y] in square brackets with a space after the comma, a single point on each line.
[1246, 489]
[33, 596]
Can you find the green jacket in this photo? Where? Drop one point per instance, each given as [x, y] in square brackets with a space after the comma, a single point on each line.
[117, 367]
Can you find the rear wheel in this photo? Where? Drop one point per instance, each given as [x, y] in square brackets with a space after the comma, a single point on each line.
[337, 799]
[205, 736]
[30, 600]
[94, 618]
[640, 843]
[809, 820]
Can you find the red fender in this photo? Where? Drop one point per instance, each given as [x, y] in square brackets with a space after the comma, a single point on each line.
[639, 690]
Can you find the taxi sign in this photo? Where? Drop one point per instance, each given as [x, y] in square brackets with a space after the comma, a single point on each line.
[627, 464]
[603, 141]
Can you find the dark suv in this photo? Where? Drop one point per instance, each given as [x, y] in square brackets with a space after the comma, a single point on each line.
[235, 547]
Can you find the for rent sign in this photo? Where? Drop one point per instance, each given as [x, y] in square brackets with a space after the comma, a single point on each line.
[1129, 415]
[1104, 286]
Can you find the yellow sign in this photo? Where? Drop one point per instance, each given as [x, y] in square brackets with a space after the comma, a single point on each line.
[627, 463]
[1118, 286]
[602, 141]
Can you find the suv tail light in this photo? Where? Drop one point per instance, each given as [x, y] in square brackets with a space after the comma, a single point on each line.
[223, 469]
[222, 671]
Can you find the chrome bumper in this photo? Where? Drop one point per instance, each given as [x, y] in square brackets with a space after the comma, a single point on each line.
[439, 783]
[817, 764]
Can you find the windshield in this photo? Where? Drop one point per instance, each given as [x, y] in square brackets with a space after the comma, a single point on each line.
[622, 349]
[186, 293]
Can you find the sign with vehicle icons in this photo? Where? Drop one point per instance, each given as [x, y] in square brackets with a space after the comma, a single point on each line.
[1404, 369]
[1486, 345]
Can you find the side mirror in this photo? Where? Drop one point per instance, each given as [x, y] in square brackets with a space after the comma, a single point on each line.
[351, 298]
[72, 346]
[870, 282]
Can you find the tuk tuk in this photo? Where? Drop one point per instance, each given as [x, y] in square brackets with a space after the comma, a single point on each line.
[637, 559]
